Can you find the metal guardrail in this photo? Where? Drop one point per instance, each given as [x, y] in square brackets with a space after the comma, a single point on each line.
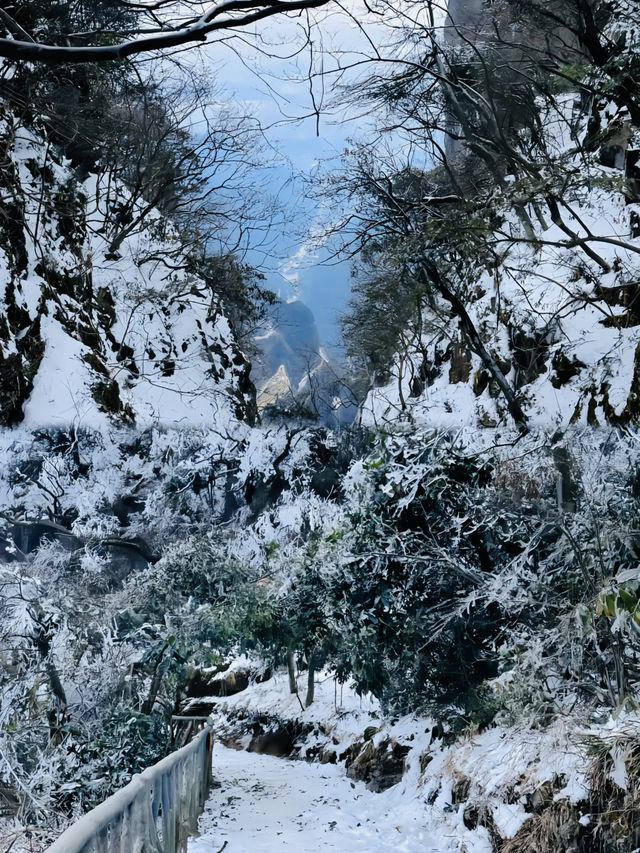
[155, 813]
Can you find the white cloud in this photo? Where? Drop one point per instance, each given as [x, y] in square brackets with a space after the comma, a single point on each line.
[303, 258]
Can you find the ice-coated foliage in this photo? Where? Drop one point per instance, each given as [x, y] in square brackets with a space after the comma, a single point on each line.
[472, 550]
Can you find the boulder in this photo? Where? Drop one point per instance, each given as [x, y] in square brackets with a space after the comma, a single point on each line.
[29, 535]
[277, 739]
[124, 557]
[380, 766]
[126, 506]
[327, 483]
[217, 682]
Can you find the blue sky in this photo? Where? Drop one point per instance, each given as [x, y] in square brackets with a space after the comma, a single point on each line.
[265, 72]
[276, 92]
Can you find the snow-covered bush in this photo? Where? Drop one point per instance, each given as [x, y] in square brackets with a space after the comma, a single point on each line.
[459, 580]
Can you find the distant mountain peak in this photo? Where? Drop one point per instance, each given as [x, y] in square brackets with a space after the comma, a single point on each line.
[274, 388]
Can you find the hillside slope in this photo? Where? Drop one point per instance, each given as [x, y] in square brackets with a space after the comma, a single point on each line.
[89, 332]
[561, 325]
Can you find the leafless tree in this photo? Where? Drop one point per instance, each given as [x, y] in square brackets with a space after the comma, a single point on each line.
[178, 152]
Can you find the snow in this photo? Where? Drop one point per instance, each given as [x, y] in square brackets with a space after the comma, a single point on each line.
[127, 812]
[268, 805]
[59, 395]
[266, 802]
[552, 291]
[336, 706]
[163, 339]
[508, 818]
[618, 735]
[494, 759]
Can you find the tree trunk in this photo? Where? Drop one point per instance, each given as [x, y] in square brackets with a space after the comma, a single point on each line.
[431, 272]
[403, 405]
[57, 717]
[291, 669]
[156, 681]
[311, 680]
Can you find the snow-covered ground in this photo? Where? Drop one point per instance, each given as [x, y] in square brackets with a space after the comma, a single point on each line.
[265, 804]
[270, 805]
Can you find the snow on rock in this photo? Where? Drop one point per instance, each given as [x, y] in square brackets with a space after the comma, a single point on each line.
[102, 321]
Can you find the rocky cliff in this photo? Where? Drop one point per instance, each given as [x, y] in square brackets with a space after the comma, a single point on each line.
[88, 333]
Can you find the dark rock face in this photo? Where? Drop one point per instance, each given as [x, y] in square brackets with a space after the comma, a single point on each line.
[270, 735]
[123, 559]
[327, 483]
[126, 506]
[380, 766]
[464, 20]
[29, 535]
[260, 493]
[318, 386]
[512, 40]
[277, 742]
[213, 683]
[293, 341]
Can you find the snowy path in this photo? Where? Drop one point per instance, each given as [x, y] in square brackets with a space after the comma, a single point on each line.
[271, 805]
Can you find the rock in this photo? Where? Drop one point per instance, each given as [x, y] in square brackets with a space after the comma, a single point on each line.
[351, 753]
[278, 742]
[380, 767]
[328, 756]
[460, 790]
[29, 535]
[425, 759]
[327, 483]
[124, 557]
[470, 817]
[230, 683]
[219, 682]
[541, 798]
[125, 506]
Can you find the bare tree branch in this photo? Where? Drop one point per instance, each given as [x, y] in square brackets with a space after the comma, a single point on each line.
[223, 16]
